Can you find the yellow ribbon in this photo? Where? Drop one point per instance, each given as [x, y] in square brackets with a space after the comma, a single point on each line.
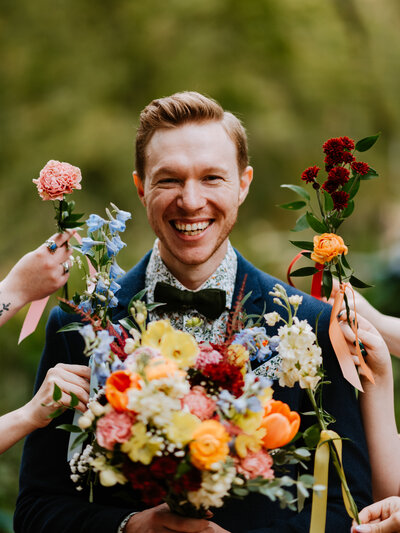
[321, 471]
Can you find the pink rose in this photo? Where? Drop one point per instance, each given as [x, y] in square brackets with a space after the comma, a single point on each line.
[57, 179]
[198, 403]
[114, 427]
[256, 464]
[207, 356]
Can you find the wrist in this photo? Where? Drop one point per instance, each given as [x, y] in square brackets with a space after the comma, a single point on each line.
[11, 293]
[124, 523]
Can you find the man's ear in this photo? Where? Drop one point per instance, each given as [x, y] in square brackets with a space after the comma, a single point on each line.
[139, 187]
[245, 181]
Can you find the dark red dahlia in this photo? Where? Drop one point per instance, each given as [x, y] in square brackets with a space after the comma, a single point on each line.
[348, 144]
[188, 482]
[138, 474]
[330, 186]
[340, 200]
[339, 175]
[226, 376]
[337, 151]
[347, 157]
[164, 467]
[360, 168]
[153, 494]
[310, 174]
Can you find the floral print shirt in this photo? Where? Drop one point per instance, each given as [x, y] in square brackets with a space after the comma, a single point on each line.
[223, 278]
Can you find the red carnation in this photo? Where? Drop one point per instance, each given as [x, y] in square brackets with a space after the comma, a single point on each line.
[310, 174]
[337, 151]
[348, 144]
[360, 168]
[340, 200]
[226, 376]
[347, 157]
[339, 175]
[330, 186]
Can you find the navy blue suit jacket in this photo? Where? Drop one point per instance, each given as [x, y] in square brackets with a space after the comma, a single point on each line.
[48, 501]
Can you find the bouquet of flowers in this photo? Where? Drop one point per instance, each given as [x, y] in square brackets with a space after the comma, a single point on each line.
[171, 419]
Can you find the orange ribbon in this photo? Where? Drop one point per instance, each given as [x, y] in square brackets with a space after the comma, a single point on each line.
[345, 359]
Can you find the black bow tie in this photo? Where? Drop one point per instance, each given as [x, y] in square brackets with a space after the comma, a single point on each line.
[209, 302]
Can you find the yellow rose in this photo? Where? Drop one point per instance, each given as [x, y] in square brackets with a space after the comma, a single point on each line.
[139, 447]
[209, 444]
[180, 347]
[182, 427]
[249, 443]
[239, 356]
[326, 247]
[249, 422]
[155, 332]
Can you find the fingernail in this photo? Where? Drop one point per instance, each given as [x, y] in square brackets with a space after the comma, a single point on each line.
[362, 529]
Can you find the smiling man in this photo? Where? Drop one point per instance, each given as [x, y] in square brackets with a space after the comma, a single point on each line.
[192, 175]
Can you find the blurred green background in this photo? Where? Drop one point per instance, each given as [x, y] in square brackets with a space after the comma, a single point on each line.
[74, 76]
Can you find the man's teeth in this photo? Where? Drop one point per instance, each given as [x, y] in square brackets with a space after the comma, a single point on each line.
[191, 229]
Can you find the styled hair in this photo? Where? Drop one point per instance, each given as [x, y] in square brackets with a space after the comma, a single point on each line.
[181, 108]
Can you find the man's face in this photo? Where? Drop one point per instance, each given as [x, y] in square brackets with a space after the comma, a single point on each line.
[192, 192]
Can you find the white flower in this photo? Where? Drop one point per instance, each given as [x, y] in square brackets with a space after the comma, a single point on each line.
[110, 477]
[96, 408]
[130, 346]
[85, 420]
[272, 318]
[214, 487]
[295, 300]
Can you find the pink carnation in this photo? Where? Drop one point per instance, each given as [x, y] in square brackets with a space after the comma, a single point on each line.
[207, 356]
[256, 464]
[198, 403]
[57, 179]
[114, 427]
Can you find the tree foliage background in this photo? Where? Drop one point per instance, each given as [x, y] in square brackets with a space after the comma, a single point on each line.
[74, 76]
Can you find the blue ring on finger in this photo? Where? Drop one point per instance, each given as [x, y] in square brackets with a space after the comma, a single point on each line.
[51, 245]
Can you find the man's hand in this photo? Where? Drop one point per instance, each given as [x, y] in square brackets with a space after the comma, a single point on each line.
[380, 517]
[160, 520]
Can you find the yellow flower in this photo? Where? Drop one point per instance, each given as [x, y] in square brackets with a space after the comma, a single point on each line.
[139, 447]
[180, 347]
[266, 396]
[182, 427]
[249, 443]
[249, 422]
[209, 444]
[239, 356]
[155, 332]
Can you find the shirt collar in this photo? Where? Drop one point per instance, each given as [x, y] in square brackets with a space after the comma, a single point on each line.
[223, 278]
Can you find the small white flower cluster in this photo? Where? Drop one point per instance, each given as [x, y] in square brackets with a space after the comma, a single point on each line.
[272, 318]
[215, 486]
[108, 475]
[94, 410]
[301, 357]
[79, 465]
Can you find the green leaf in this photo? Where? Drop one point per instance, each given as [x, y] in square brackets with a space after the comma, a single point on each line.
[305, 271]
[293, 206]
[303, 453]
[345, 262]
[358, 283]
[79, 439]
[371, 174]
[64, 215]
[65, 307]
[355, 189]
[316, 224]
[297, 189]
[240, 491]
[127, 323]
[328, 202]
[327, 283]
[57, 412]
[301, 223]
[307, 479]
[349, 209]
[138, 296]
[311, 436]
[72, 326]
[75, 216]
[151, 307]
[74, 400]
[70, 427]
[72, 225]
[365, 144]
[304, 245]
[56, 393]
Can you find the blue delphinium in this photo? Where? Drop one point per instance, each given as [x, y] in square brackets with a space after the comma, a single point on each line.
[256, 342]
[95, 222]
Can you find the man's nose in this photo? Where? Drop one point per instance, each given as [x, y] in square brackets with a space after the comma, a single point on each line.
[191, 198]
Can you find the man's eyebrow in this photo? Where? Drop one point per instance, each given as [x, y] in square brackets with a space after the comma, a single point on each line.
[170, 171]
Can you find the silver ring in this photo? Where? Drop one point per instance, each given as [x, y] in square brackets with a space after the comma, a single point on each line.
[51, 245]
[65, 266]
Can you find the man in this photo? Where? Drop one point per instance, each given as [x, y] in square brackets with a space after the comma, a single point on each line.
[192, 175]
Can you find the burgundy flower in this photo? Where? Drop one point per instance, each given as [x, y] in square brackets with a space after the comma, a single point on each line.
[340, 175]
[226, 376]
[138, 474]
[340, 200]
[348, 144]
[360, 168]
[337, 151]
[310, 174]
[163, 467]
[330, 186]
[187, 482]
[153, 494]
[347, 157]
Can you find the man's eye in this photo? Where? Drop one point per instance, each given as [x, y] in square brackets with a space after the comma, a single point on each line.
[213, 178]
[167, 181]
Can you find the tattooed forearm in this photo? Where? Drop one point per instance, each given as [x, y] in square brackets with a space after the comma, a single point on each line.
[5, 307]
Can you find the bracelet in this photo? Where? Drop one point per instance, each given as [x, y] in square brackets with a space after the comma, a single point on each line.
[122, 525]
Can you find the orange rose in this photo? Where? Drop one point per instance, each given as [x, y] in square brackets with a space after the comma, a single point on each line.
[209, 444]
[160, 367]
[281, 424]
[327, 246]
[117, 386]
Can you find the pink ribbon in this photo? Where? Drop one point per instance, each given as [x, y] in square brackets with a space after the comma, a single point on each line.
[37, 307]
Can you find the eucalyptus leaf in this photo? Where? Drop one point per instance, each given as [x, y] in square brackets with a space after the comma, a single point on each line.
[293, 206]
[301, 223]
[304, 245]
[365, 144]
[297, 189]
[316, 224]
